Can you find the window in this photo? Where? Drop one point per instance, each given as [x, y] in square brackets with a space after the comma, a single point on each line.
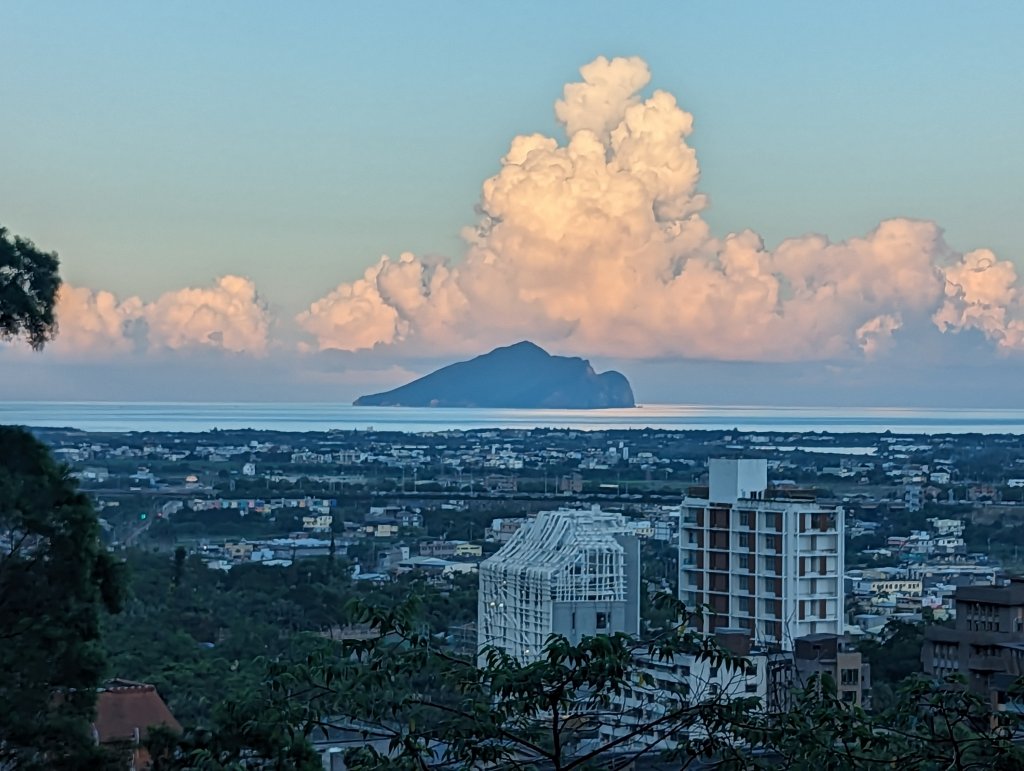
[744, 541]
[602, 621]
[744, 562]
[849, 676]
[714, 671]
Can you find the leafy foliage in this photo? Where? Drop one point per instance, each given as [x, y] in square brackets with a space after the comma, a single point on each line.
[401, 701]
[196, 633]
[930, 725]
[29, 283]
[55, 582]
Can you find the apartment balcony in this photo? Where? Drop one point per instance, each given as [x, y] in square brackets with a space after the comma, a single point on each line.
[816, 594]
[819, 548]
[986, 663]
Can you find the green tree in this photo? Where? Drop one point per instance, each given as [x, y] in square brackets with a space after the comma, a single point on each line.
[893, 658]
[29, 283]
[55, 582]
[415, 706]
[930, 725]
[179, 566]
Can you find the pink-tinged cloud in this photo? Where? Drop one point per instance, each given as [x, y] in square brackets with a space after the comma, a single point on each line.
[94, 321]
[983, 293]
[228, 315]
[598, 246]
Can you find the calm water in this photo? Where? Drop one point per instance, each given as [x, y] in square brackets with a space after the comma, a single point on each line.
[145, 416]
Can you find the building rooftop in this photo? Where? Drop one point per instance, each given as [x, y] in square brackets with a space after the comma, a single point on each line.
[126, 710]
[1011, 594]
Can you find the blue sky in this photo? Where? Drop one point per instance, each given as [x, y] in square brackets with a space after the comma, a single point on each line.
[161, 146]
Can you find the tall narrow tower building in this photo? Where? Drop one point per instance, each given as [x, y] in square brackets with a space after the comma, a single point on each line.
[767, 561]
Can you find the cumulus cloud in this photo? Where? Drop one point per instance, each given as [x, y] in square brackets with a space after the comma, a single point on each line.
[228, 316]
[597, 245]
[94, 320]
[982, 293]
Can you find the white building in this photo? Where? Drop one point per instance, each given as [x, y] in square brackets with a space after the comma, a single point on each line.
[767, 561]
[570, 572]
[318, 523]
[662, 687]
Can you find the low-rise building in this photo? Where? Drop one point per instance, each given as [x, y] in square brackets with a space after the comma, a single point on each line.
[502, 530]
[987, 639]
[240, 550]
[815, 655]
[125, 713]
[318, 523]
[466, 549]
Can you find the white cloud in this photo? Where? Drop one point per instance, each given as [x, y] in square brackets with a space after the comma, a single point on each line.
[228, 316]
[598, 246]
[982, 292]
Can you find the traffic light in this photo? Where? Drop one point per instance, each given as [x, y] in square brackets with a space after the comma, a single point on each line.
[142, 515]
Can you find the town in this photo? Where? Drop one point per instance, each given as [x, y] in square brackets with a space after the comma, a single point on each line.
[912, 528]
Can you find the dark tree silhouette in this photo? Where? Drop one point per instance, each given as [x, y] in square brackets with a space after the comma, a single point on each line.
[55, 581]
[29, 282]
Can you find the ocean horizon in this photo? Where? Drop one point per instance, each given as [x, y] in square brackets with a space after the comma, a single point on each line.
[320, 416]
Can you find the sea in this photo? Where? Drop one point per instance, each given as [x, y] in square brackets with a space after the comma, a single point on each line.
[199, 416]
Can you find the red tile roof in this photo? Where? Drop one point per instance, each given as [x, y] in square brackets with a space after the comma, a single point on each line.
[124, 708]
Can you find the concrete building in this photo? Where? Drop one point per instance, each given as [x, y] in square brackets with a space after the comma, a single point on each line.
[318, 523]
[661, 687]
[502, 530]
[767, 561]
[465, 549]
[571, 483]
[828, 654]
[987, 640]
[570, 572]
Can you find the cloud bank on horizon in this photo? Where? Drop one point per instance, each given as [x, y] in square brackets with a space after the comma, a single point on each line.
[598, 246]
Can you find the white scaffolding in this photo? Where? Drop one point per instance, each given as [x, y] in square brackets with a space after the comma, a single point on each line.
[567, 555]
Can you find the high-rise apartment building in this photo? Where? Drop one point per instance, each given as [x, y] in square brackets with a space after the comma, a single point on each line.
[767, 561]
[570, 572]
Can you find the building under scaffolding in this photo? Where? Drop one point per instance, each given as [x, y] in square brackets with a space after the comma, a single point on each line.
[569, 572]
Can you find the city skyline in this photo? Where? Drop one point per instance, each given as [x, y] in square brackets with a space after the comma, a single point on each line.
[655, 225]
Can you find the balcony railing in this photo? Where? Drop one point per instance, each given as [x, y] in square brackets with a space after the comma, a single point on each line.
[986, 663]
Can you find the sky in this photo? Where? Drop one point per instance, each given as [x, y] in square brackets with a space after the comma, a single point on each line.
[747, 202]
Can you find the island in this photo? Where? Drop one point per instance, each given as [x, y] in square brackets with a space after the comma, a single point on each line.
[520, 376]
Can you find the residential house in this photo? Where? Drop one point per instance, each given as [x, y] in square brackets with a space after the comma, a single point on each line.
[125, 712]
